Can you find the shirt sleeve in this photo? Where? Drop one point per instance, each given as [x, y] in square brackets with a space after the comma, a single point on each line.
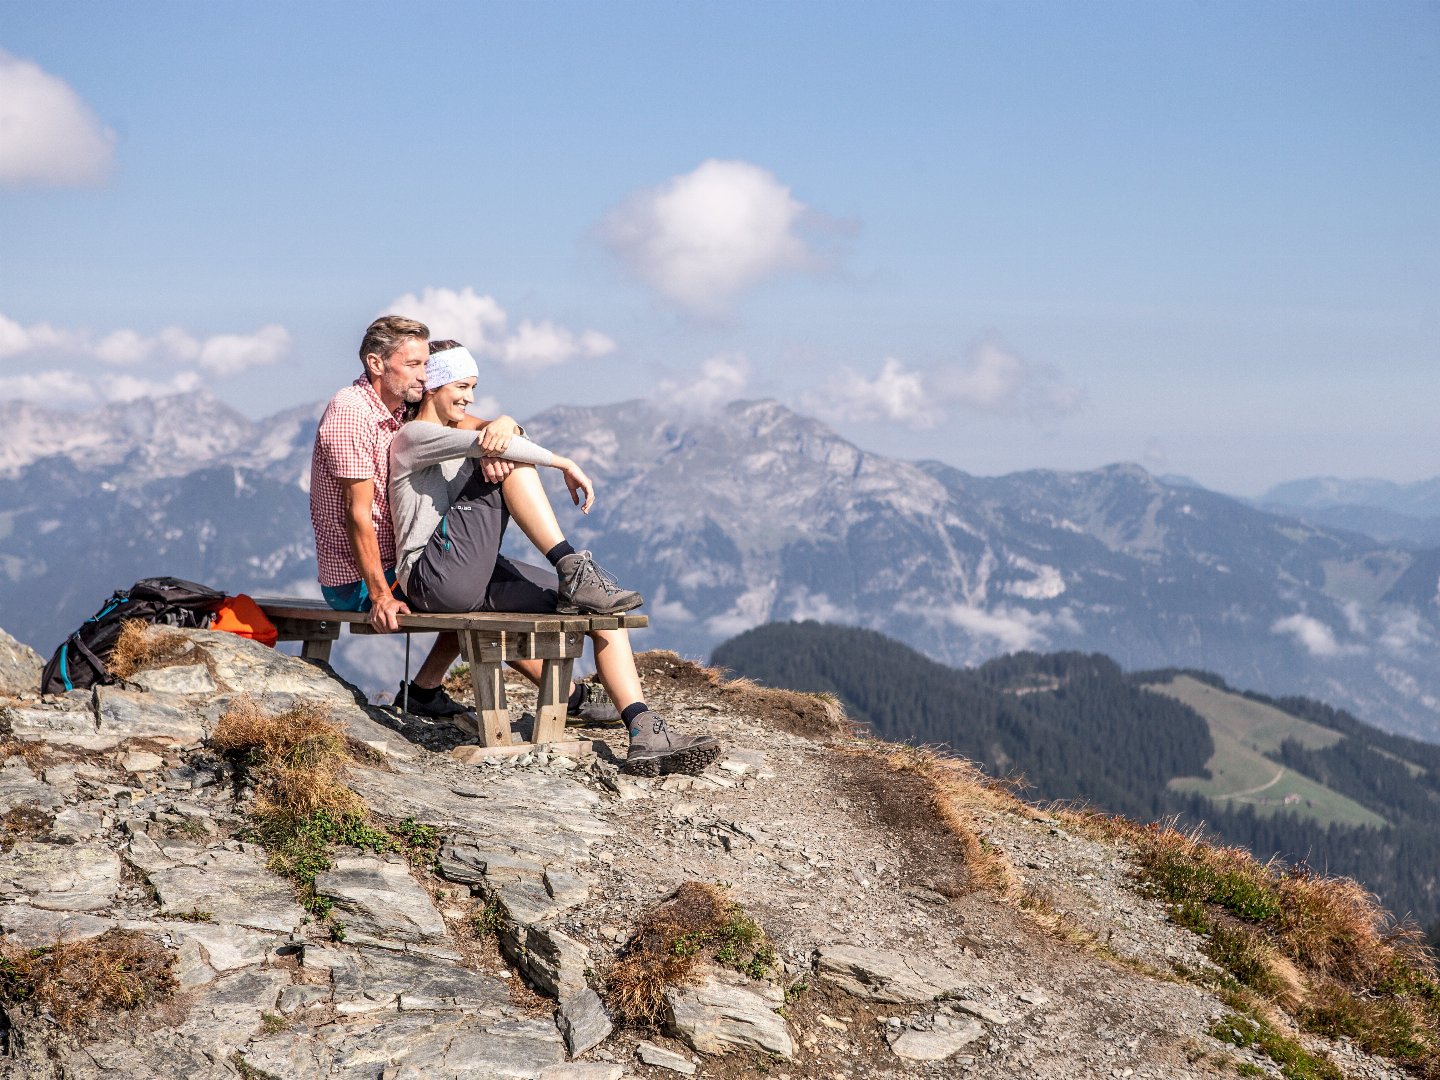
[348, 440]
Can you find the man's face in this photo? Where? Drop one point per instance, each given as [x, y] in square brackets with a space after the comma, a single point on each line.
[402, 373]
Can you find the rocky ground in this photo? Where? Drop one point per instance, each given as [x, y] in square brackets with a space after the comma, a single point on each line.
[895, 963]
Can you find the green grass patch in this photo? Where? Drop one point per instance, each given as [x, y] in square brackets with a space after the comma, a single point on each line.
[1295, 1062]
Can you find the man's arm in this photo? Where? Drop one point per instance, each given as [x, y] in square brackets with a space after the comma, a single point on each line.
[365, 547]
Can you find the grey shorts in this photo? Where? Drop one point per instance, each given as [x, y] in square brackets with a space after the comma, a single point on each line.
[461, 568]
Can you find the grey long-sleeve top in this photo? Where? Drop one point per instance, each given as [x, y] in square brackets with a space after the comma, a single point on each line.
[429, 465]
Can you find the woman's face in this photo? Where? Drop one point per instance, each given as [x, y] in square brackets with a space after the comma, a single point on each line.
[452, 399]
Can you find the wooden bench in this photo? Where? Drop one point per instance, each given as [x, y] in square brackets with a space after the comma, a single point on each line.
[487, 641]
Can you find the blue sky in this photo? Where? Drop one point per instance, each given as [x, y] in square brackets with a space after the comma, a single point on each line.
[1204, 237]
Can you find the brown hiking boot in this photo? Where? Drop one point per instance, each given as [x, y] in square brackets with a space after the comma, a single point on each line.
[586, 589]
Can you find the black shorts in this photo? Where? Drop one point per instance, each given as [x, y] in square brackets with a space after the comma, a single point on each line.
[461, 568]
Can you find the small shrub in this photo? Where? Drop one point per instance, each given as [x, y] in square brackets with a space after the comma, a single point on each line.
[77, 981]
[488, 920]
[696, 921]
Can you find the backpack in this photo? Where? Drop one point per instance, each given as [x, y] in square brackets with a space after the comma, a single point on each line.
[79, 662]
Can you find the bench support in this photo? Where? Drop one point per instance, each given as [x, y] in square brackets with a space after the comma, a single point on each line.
[487, 641]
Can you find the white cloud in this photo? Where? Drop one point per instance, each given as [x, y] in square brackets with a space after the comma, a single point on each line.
[1401, 631]
[480, 324]
[700, 238]
[227, 354]
[131, 388]
[896, 393]
[221, 354]
[16, 340]
[992, 380]
[1011, 628]
[48, 136]
[720, 380]
[69, 386]
[1316, 638]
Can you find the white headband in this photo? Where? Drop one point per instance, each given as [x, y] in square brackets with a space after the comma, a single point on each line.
[450, 365]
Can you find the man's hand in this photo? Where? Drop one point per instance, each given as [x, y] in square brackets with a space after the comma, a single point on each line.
[495, 469]
[383, 611]
[496, 435]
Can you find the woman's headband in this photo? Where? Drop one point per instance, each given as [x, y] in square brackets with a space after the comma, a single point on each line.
[449, 366]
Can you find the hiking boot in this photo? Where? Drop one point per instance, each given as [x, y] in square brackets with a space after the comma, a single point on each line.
[594, 706]
[585, 589]
[438, 705]
[655, 751]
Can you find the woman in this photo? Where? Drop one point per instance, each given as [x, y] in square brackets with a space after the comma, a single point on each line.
[449, 521]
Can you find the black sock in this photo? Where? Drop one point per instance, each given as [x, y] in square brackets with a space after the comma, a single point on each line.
[577, 696]
[422, 693]
[559, 551]
[632, 711]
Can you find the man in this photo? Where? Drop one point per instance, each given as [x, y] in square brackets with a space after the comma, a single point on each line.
[349, 506]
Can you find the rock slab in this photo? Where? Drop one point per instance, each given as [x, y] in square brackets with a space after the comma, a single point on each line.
[880, 975]
[725, 1012]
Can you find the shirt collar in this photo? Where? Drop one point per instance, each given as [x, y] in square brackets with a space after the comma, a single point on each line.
[367, 391]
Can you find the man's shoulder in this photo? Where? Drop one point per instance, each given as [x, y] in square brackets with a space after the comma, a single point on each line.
[352, 398]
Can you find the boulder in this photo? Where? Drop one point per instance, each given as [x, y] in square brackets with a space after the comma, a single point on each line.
[135, 714]
[60, 877]
[20, 667]
[68, 721]
[725, 1012]
[233, 886]
[371, 980]
[882, 975]
[583, 1022]
[552, 962]
[949, 1036]
[380, 901]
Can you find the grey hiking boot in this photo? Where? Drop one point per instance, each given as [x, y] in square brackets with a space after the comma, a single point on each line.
[587, 589]
[594, 706]
[656, 751]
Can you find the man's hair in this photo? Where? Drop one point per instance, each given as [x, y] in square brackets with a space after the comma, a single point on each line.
[388, 333]
[441, 346]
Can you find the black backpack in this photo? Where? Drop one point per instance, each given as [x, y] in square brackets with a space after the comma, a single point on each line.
[79, 662]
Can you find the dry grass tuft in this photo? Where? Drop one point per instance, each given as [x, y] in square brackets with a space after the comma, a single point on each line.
[78, 981]
[142, 645]
[26, 822]
[697, 922]
[298, 759]
[1320, 948]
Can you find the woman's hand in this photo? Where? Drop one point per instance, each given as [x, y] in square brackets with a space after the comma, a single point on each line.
[578, 483]
[496, 435]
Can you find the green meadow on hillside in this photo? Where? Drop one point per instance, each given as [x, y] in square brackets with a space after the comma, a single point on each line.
[1241, 774]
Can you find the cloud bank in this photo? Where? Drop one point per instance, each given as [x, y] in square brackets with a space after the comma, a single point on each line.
[479, 323]
[720, 380]
[49, 137]
[187, 358]
[992, 380]
[701, 238]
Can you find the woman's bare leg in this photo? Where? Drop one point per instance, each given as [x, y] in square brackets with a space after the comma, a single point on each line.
[530, 508]
[615, 664]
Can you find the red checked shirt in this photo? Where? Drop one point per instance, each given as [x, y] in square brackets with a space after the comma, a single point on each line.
[353, 443]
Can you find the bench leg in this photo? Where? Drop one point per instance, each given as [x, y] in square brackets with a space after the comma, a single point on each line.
[316, 649]
[552, 700]
[488, 680]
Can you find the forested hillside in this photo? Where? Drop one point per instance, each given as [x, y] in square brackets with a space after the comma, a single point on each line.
[1076, 727]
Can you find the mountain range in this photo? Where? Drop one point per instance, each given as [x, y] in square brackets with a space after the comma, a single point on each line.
[753, 513]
